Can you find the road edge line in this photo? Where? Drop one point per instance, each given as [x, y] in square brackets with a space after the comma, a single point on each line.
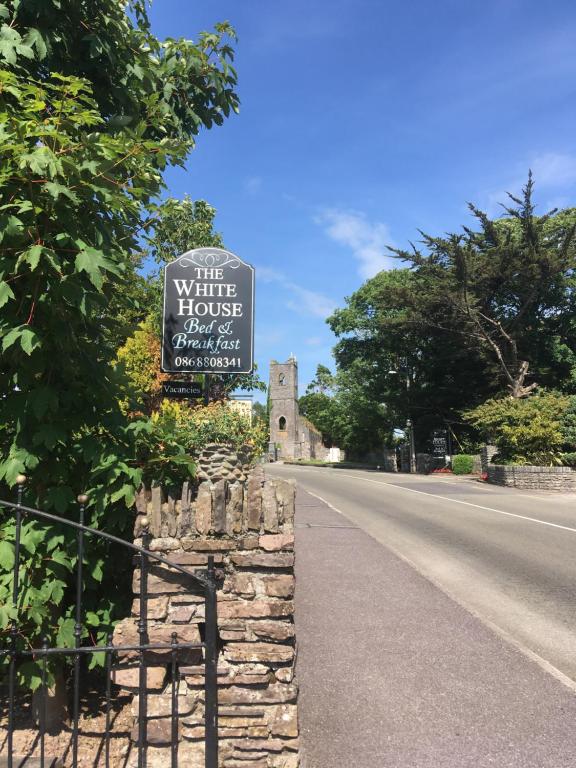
[545, 665]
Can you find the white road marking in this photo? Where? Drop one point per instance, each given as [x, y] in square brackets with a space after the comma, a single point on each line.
[543, 663]
[458, 501]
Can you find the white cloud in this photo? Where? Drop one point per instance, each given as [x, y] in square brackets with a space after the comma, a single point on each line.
[553, 169]
[303, 300]
[313, 341]
[366, 239]
[554, 172]
[311, 302]
[252, 185]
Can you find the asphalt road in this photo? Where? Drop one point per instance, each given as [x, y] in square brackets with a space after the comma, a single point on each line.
[508, 556]
[435, 620]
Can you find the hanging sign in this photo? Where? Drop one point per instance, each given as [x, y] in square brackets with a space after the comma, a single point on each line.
[208, 324]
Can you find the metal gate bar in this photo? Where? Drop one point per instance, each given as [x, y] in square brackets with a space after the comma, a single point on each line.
[210, 645]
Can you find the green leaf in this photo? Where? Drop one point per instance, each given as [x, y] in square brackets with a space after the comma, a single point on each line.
[28, 338]
[65, 636]
[97, 571]
[7, 614]
[60, 497]
[6, 293]
[30, 538]
[29, 341]
[7, 555]
[92, 619]
[34, 38]
[55, 190]
[127, 491]
[90, 261]
[32, 256]
[11, 468]
[10, 225]
[62, 558]
[30, 675]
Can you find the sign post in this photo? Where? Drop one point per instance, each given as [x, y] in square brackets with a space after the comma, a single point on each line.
[208, 322]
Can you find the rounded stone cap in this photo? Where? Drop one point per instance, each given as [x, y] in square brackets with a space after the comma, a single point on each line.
[21, 479]
[82, 499]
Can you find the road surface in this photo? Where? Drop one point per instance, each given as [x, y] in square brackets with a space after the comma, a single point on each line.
[443, 613]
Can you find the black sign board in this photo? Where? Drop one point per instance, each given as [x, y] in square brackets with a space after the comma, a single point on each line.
[181, 389]
[440, 442]
[208, 313]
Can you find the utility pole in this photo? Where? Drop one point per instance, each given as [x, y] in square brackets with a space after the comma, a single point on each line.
[409, 423]
[410, 429]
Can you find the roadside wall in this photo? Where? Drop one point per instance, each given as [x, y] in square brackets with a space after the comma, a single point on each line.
[247, 523]
[536, 478]
[486, 457]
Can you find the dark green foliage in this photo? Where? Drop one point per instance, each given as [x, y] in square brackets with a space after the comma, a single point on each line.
[504, 288]
[462, 464]
[490, 309]
[93, 108]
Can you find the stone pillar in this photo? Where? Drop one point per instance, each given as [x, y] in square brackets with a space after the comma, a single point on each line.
[486, 456]
[247, 523]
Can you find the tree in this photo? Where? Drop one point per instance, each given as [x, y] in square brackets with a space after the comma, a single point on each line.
[504, 286]
[93, 108]
[322, 382]
[391, 369]
[426, 340]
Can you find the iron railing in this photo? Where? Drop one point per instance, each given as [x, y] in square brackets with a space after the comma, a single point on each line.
[15, 654]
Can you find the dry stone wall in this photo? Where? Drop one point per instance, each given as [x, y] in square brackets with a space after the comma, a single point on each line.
[535, 478]
[247, 524]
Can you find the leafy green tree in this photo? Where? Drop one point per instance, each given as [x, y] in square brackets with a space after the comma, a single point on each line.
[429, 341]
[322, 382]
[93, 108]
[502, 287]
[391, 368]
[322, 411]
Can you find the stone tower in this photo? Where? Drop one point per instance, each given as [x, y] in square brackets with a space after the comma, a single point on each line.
[284, 413]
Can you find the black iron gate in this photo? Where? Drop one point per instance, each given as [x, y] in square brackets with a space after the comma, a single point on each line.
[15, 653]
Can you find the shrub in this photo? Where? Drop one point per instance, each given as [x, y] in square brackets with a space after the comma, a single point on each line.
[526, 431]
[462, 464]
[176, 433]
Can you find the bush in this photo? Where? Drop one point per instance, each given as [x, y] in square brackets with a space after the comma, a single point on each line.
[526, 431]
[462, 464]
[170, 439]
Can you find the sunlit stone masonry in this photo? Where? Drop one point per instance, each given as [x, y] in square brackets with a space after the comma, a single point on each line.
[247, 523]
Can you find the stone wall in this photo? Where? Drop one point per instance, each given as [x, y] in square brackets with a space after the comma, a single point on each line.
[424, 463]
[535, 478]
[310, 441]
[247, 523]
[486, 454]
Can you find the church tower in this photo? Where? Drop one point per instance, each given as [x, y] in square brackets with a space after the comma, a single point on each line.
[284, 413]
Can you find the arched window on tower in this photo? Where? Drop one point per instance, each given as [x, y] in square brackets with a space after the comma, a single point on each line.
[282, 424]
[282, 379]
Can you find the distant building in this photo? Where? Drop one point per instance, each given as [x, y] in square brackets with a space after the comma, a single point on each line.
[242, 405]
[291, 435]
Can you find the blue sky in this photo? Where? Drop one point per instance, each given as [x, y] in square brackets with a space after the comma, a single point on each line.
[363, 121]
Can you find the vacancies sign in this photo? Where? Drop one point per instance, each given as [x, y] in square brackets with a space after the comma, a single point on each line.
[208, 313]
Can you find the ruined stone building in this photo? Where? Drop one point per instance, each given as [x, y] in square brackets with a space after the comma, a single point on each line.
[291, 435]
